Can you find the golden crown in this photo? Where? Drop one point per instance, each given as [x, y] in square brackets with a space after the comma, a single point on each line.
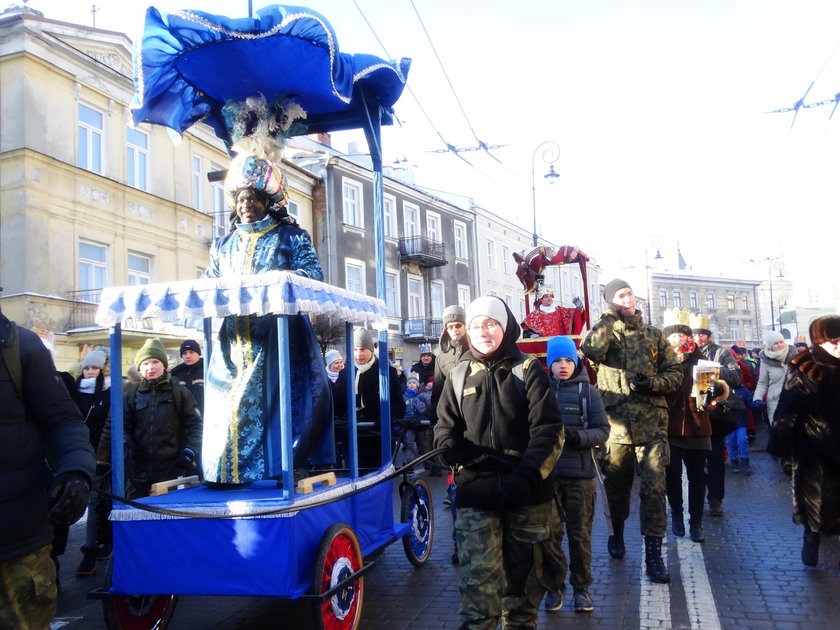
[675, 317]
[700, 321]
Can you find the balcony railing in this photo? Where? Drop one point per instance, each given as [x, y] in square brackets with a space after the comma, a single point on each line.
[421, 328]
[422, 251]
[83, 310]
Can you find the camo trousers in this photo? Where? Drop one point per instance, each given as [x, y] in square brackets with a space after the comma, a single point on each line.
[619, 467]
[501, 559]
[28, 594]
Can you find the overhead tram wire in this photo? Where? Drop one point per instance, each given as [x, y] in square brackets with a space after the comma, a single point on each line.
[800, 104]
[449, 146]
[481, 144]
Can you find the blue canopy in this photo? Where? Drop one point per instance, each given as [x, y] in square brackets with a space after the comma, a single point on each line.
[188, 64]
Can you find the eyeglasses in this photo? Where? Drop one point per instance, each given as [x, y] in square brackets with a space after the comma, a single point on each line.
[488, 327]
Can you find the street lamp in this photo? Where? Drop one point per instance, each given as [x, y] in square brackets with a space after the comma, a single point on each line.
[654, 242]
[550, 155]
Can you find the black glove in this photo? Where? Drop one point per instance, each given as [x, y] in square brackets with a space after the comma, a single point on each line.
[578, 303]
[572, 438]
[184, 466]
[716, 389]
[68, 498]
[451, 456]
[640, 383]
[514, 492]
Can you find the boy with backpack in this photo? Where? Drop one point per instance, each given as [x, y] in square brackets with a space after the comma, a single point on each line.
[586, 426]
[162, 425]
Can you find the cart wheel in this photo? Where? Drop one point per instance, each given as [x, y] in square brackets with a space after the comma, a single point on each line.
[136, 612]
[417, 511]
[338, 558]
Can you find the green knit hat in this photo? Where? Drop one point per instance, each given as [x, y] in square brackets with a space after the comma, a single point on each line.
[152, 349]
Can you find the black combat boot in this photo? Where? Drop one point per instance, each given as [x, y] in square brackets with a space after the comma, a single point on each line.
[615, 543]
[677, 524]
[810, 548]
[654, 567]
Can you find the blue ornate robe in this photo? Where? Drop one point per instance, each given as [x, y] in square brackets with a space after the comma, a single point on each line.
[242, 378]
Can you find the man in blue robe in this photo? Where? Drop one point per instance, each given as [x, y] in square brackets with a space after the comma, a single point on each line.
[242, 381]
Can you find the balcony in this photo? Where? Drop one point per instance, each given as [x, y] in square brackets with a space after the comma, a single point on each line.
[83, 309]
[422, 329]
[422, 251]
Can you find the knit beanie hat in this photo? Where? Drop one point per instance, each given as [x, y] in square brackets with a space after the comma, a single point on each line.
[488, 306]
[561, 347]
[331, 357]
[612, 287]
[412, 377]
[190, 344]
[771, 337]
[454, 314]
[95, 358]
[824, 329]
[363, 339]
[152, 349]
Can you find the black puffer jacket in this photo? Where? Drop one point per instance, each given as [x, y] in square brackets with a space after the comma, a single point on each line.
[500, 428]
[367, 396]
[94, 406]
[49, 422]
[576, 461]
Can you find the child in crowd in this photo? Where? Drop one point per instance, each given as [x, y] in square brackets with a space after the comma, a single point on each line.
[737, 442]
[161, 422]
[415, 414]
[586, 426]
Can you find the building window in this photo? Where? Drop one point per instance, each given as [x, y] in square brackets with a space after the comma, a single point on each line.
[730, 302]
[392, 293]
[436, 304]
[744, 303]
[415, 297]
[491, 254]
[463, 296]
[93, 270]
[663, 298]
[411, 220]
[199, 272]
[354, 275]
[506, 260]
[493, 288]
[220, 209]
[692, 299]
[736, 331]
[91, 127]
[460, 230]
[433, 226]
[293, 208]
[139, 269]
[196, 182]
[389, 210]
[747, 332]
[677, 298]
[710, 301]
[136, 158]
[351, 195]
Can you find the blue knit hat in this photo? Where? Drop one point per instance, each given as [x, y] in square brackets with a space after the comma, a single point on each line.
[558, 347]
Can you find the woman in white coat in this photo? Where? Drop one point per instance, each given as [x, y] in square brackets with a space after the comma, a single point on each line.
[773, 365]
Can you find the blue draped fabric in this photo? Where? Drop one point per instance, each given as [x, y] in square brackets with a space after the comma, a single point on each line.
[241, 381]
[189, 64]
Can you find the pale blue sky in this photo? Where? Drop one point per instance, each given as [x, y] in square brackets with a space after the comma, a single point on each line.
[658, 107]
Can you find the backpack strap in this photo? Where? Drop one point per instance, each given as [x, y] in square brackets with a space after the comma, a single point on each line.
[584, 405]
[10, 352]
[459, 377]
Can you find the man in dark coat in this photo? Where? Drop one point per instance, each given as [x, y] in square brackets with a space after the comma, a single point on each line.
[190, 373]
[453, 344]
[425, 367]
[367, 400]
[806, 429]
[37, 416]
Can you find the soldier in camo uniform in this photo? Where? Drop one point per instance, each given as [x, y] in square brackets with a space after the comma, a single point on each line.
[503, 433]
[636, 368]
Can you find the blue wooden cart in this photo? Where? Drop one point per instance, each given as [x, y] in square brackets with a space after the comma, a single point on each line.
[271, 537]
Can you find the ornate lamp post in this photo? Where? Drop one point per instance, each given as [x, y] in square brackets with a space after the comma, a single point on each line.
[655, 242]
[550, 155]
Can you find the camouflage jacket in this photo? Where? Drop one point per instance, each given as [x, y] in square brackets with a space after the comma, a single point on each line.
[623, 347]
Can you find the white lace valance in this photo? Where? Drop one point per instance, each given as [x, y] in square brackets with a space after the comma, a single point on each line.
[273, 292]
